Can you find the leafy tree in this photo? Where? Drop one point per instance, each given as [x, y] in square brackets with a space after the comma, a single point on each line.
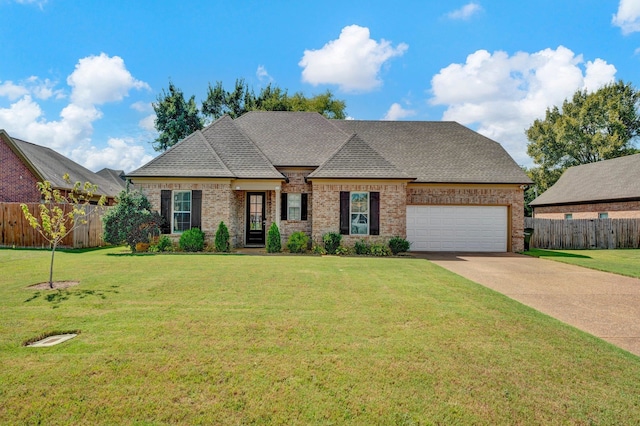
[175, 118]
[274, 245]
[222, 239]
[61, 212]
[588, 128]
[271, 98]
[131, 221]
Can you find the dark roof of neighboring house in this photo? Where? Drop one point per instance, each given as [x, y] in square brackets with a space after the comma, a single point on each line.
[615, 179]
[433, 152]
[117, 177]
[51, 166]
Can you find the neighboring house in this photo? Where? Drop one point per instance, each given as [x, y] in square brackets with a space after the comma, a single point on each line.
[24, 164]
[438, 184]
[116, 177]
[606, 189]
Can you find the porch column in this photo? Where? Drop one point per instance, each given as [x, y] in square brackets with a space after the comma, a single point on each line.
[277, 201]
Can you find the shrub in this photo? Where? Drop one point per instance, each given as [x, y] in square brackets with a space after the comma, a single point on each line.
[298, 242]
[318, 249]
[273, 239]
[331, 242]
[344, 251]
[399, 245]
[222, 239]
[192, 240]
[164, 243]
[379, 249]
[361, 247]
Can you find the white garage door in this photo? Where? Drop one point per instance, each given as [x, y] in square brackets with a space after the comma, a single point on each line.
[457, 228]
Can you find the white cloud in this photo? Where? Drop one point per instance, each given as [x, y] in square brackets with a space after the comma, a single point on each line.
[119, 154]
[628, 16]
[465, 12]
[353, 61]
[396, 112]
[148, 123]
[262, 74]
[101, 79]
[12, 91]
[96, 80]
[502, 95]
[142, 106]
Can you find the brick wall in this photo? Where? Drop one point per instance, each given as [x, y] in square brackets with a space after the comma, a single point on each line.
[513, 197]
[326, 208]
[218, 203]
[617, 210]
[17, 183]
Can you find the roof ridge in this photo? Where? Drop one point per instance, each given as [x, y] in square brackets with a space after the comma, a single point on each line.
[212, 149]
[260, 152]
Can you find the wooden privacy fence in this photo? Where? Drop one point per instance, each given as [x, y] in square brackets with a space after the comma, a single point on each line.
[15, 230]
[584, 233]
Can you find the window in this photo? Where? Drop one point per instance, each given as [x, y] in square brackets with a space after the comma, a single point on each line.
[359, 210]
[568, 216]
[294, 206]
[181, 211]
[603, 215]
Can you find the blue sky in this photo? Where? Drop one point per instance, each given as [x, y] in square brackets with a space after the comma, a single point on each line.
[80, 76]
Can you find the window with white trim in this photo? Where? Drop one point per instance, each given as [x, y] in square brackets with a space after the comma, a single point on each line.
[359, 213]
[294, 206]
[603, 215]
[181, 220]
[568, 216]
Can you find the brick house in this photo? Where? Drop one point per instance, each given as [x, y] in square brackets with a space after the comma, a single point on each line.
[606, 189]
[438, 184]
[24, 164]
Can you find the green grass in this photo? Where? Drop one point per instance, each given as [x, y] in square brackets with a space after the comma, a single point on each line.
[208, 339]
[623, 262]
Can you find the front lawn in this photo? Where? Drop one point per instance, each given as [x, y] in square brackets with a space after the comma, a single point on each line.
[623, 261]
[214, 339]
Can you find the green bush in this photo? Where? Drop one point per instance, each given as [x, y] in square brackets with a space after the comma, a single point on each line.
[399, 245]
[192, 240]
[361, 247]
[379, 249]
[222, 239]
[318, 249]
[273, 239]
[298, 242]
[331, 242]
[344, 251]
[164, 243]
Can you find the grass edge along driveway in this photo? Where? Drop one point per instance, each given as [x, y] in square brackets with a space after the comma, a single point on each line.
[208, 339]
[622, 261]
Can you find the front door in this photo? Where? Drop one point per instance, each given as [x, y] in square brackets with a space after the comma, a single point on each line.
[255, 218]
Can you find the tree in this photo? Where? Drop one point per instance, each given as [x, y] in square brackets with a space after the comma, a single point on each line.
[175, 118]
[271, 98]
[61, 212]
[131, 220]
[590, 127]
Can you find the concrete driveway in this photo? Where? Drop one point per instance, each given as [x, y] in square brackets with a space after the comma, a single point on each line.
[603, 304]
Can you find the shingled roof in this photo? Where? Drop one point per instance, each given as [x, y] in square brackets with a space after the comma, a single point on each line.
[609, 180]
[253, 145]
[51, 166]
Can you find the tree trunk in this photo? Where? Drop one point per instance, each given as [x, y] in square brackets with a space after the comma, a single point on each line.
[53, 252]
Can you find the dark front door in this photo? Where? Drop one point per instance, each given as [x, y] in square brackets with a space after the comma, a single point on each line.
[255, 218]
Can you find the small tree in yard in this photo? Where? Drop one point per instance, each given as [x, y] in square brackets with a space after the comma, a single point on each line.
[131, 221]
[273, 239]
[222, 239]
[52, 222]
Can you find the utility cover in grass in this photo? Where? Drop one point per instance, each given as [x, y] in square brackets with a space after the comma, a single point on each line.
[51, 340]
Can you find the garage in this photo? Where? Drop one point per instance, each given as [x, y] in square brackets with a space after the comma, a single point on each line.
[457, 228]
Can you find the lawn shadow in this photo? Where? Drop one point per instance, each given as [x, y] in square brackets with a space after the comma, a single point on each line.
[61, 295]
[551, 253]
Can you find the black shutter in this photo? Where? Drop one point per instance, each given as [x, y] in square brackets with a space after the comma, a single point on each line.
[303, 206]
[196, 209]
[283, 206]
[165, 210]
[344, 212]
[374, 211]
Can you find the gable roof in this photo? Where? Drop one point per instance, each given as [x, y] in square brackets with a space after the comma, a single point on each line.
[252, 145]
[615, 179]
[438, 151]
[355, 159]
[49, 165]
[117, 177]
[220, 150]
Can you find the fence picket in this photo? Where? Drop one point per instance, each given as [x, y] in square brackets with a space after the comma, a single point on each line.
[584, 233]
